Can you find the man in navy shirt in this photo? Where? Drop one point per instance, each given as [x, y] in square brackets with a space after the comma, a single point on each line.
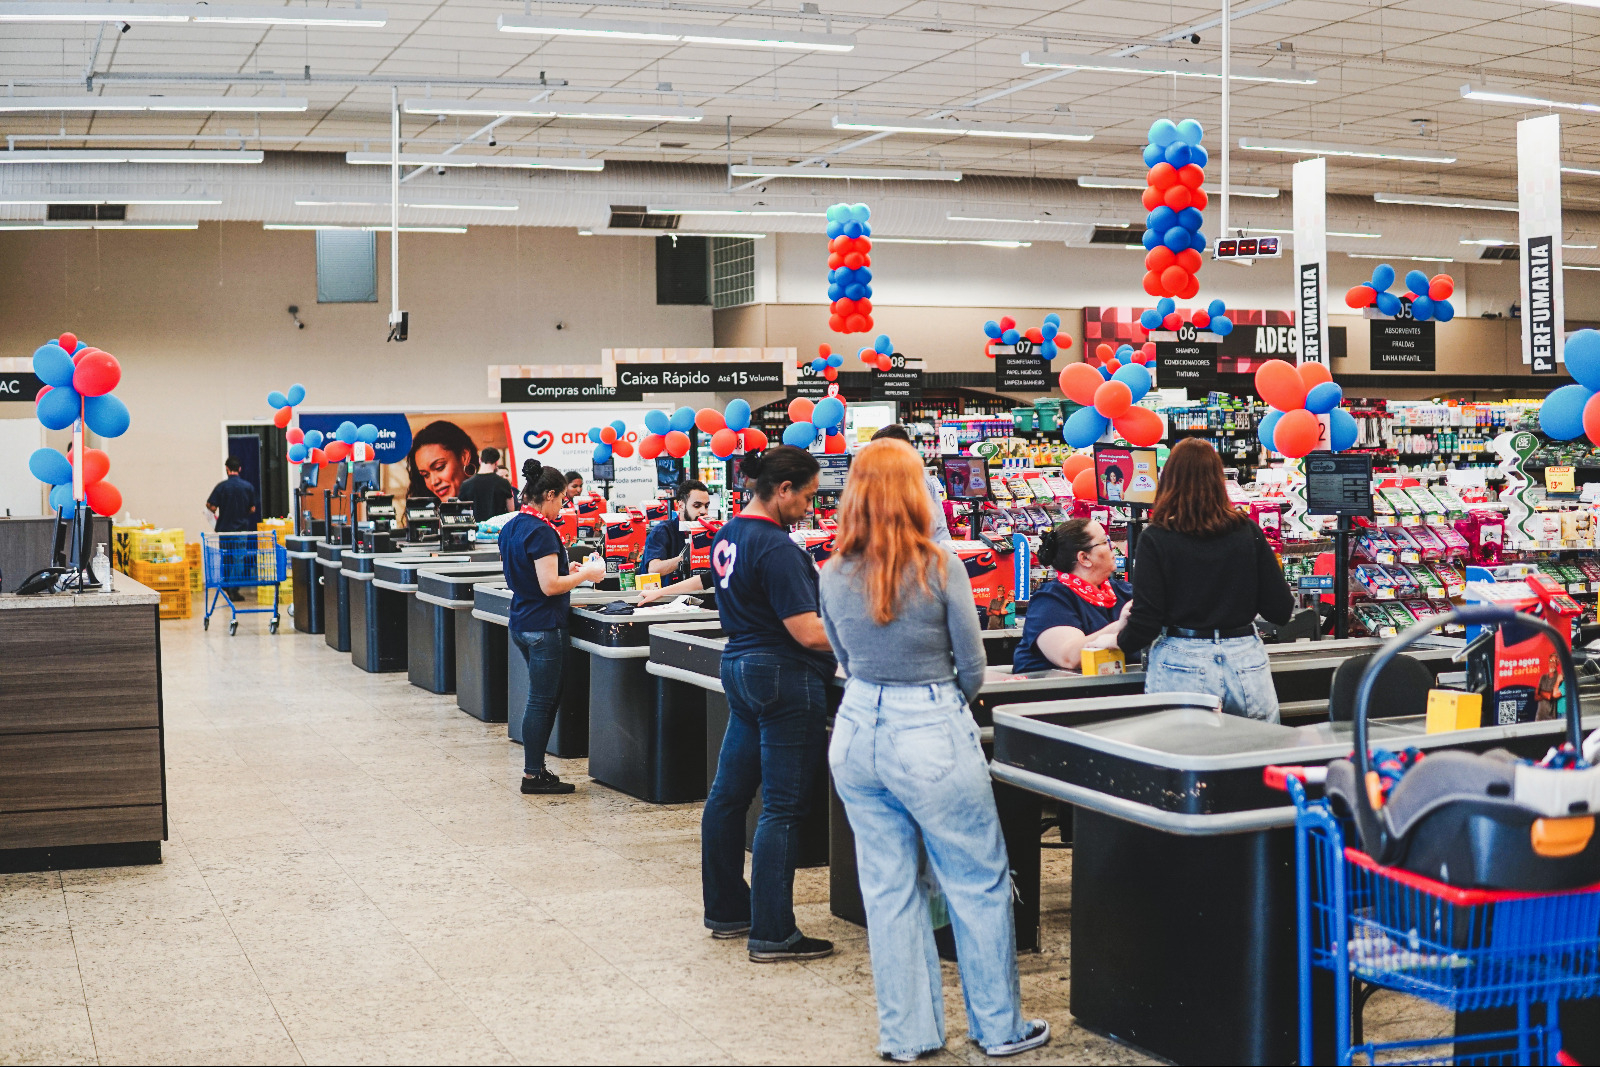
[233, 501]
[666, 548]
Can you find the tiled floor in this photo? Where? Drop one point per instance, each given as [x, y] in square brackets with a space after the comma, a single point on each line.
[352, 877]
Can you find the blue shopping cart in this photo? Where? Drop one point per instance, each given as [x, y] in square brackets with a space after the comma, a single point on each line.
[242, 561]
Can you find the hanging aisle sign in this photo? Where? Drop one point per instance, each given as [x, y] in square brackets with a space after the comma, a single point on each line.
[1311, 258]
[902, 381]
[1539, 224]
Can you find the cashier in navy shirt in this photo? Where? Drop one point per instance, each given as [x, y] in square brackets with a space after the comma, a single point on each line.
[1080, 603]
[666, 548]
[536, 570]
[775, 674]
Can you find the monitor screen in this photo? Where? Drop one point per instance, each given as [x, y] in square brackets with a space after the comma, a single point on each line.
[1125, 475]
[344, 478]
[364, 475]
[835, 471]
[308, 475]
[966, 477]
[605, 472]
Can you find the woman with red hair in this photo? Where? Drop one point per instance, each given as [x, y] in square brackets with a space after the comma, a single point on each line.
[907, 763]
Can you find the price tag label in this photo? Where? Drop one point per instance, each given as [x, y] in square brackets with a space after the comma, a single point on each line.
[1561, 479]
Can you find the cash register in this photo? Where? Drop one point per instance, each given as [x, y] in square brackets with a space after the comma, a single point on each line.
[308, 481]
[422, 519]
[456, 524]
[375, 514]
[341, 528]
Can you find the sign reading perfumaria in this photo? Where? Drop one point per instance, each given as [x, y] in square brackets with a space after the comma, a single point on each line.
[1539, 225]
[1538, 314]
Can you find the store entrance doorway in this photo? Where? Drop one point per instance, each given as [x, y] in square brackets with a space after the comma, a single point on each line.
[262, 450]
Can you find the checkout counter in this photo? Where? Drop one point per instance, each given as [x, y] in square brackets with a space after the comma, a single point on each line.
[306, 573]
[440, 602]
[335, 593]
[381, 585]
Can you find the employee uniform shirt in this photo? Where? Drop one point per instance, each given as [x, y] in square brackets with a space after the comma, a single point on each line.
[235, 501]
[762, 578]
[1055, 604]
[523, 540]
[664, 541]
[489, 494]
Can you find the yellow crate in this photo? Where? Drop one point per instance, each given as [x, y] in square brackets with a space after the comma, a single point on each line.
[174, 603]
[122, 545]
[161, 576]
[158, 546]
[285, 595]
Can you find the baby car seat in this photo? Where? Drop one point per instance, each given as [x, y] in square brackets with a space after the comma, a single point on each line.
[1482, 820]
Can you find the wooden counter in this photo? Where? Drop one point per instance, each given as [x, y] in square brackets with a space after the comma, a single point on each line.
[82, 756]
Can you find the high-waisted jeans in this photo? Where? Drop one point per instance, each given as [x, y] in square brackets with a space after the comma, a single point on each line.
[546, 652]
[1232, 669]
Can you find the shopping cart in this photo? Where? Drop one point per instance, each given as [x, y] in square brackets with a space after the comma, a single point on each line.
[1463, 949]
[242, 561]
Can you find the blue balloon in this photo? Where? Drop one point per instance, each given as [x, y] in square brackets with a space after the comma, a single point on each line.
[1582, 355]
[1153, 154]
[818, 365]
[1011, 337]
[1382, 277]
[50, 466]
[1324, 397]
[105, 415]
[1105, 372]
[860, 212]
[835, 229]
[1342, 430]
[1162, 219]
[1084, 427]
[863, 276]
[367, 433]
[992, 330]
[276, 399]
[857, 292]
[837, 211]
[736, 415]
[52, 364]
[852, 229]
[656, 422]
[58, 408]
[799, 434]
[602, 453]
[1267, 426]
[298, 453]
[835, 360]
[1191, 219]
[882, 345]
[1163, 132]
[1048, 350]
[1136, 377]
[1124, 352]
[1150, 239]
[1215, 308]
[1049, 330]
[682, 420]
[61, 498]
[594, 435]
[1198, 155]
[1150, 319]
[1053, 319]
[1197, 241]
[1417, 282]
[835, 291]
[314, 439]
[1178, 154]
[1443, 310]
[619, 426]
[1421, 308]
[1166, 306]
[1221, 325]
[1561, 413]
[296, 395]
[1190, 132]
[1388, 304]
[1176, 238]
[347, 432]
[828, 413]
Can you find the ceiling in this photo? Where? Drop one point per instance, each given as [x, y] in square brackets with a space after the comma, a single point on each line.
[1389, 73]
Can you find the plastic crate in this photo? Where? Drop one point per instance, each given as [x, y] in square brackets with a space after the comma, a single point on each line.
[174, 603]
[158, 546]
[161, 576]
[122, 538]
[285, 595]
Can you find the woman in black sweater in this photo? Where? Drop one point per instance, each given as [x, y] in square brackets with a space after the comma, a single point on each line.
[1202, 573]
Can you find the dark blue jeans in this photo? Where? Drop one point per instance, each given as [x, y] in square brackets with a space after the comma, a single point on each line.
[777, 734]
[545, 651]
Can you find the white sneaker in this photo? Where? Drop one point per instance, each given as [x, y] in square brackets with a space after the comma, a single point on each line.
[1037, 1035]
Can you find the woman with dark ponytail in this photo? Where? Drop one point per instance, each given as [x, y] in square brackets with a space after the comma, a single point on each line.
[536, 570]
[1081, 603]
[775, 672]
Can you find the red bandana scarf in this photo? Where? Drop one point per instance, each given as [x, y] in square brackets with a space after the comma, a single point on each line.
[1101, 596]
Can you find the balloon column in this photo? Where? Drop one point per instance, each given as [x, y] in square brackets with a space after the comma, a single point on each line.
[1172, 238]
[610, 438]
[1166, 316]
[807, 419]
[1571, 411]
[1045, 340]
[730, 431]
[349, 441]
[880, 355]
[1299, 395]
[849, 268]
[78, 380]
[827, 363]
[1109, 402]
[1430, 297]
[285, 403]
[667, 433]
[1109, 360]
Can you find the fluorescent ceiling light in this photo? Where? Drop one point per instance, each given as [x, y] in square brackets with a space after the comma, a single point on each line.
[89, 102]
[1403, 258]
[106, 198]
[1493, 96]
[1580, 246]
[436, 203]
[1489, 242]
[524, 109]
[1303, 148]
[1095, 181]
[462, 159]
[1328, 233]
[129, 155]
[98, 224]
[131, 13]
[1120, 224]
[949, 241]
[888, 175]
[637, 231]
[678, 33]
[953, 128]
[764, 212]
[1445, 201]
[1591, 171]
[1119, 65]
[1574, 266]
[373, 228]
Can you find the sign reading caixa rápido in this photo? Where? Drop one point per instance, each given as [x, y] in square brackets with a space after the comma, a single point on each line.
[1402, 343]
[1538, 267]
[19, 385]
[559, 390]
[1186, 363]
[639, 378]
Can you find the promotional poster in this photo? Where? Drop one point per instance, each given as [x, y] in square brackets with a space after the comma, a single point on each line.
[1527, 679]
[1125, 475]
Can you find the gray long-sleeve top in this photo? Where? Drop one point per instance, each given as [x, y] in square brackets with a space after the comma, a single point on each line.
[933, 638]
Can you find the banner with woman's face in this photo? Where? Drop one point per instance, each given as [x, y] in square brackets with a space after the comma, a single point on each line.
[422, 454]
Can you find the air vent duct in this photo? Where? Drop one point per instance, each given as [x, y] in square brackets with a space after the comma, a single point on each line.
[86, 212]
[1501, 252]
[629, 217]
[1110, 235]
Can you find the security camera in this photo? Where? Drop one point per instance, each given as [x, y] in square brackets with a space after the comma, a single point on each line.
[439, 171]
[124, 27]
[1194, 38]
[294, 313]
[561, 325]
[493, 143]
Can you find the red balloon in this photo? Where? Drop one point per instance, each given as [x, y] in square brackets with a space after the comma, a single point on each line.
[868, 327]
[1140, 427]
[1441, 287]
[96, 374]
[835, 261]
[1362, 296]
[1162, 176]
[651, 446]
[709, 420]
[868, 355]
[1159, 258]
[844, 306]
[608, 435]
[104, 498]
[1314, 374]
[623, 448]
[800, 409]
[281, 417]
[1177, 197]
[830, 373]
[1079, 381]
[1190, 289]
[1591, 420]
[856, 324]
[864, 306]
[1007, 323]
[1189, 260]
[836, 323]
[1199, 199]
[724, 442]
[1073, 464]
[1151, 198]
[833, 444]
[1103, 351]
[884, 362]
[336, 451]
[1148, 352]
[1297, 433]
[317, 455]
[754, 440]
[1152, 282]
[677, 444]
[1191, 176]
[824, 351]
[840, 244]
[1113, 365]
[1172, 321]
[1035, 335]
[1201, 319]
[1083, 486]
[69, 341]
[1173, 279]
[864, 245]
[96, 465]
[1113, 399]
[295, 435]
[1280, 385]
[855, 261]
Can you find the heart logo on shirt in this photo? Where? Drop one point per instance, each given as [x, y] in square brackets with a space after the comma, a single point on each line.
[539, 440]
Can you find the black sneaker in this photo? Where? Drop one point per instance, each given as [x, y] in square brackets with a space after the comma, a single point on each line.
[729, 935]
[546, 783]
[807, 948]
[1036, 1036]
